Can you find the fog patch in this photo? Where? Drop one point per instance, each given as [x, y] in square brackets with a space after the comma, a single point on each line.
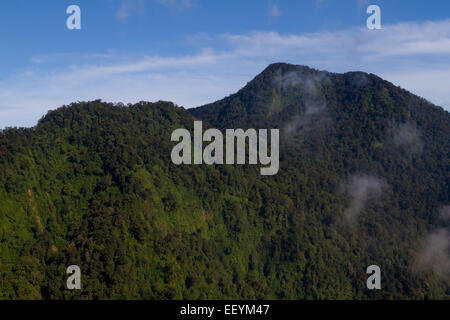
[361, 189]
[444, 213]
[407, 138]
[435, 253]
[312, 98]
[359, 79]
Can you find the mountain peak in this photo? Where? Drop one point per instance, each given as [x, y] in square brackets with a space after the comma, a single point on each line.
[284, 91]
[286, 67]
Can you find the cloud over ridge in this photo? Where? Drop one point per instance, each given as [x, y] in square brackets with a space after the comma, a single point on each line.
[224, 63]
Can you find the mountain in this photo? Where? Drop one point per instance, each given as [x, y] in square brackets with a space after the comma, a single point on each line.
[363, 180]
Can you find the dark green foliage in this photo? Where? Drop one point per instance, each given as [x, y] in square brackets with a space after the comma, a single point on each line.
[93, 184]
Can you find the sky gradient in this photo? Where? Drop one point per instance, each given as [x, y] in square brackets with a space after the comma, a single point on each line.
[194, 52]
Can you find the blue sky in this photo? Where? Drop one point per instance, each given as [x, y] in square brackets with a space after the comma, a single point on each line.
[197, 51]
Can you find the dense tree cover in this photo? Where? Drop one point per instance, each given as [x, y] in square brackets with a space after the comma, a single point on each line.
[93, 184]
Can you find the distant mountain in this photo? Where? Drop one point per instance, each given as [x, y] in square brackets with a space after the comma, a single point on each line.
[364, 180]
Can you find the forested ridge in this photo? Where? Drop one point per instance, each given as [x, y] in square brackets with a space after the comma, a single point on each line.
[364, 179]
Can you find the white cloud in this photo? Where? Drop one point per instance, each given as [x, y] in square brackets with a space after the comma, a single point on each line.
[185, 80]
[413, 55]
[405, 39]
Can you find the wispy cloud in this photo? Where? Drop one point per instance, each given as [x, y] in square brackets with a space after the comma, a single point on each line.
[413, 55]
[363, 3]
[129, 7]
[404, 39]
[275, 11]
[185, 80]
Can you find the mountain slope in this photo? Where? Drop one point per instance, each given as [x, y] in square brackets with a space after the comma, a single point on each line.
[364, 175]
[356, 127]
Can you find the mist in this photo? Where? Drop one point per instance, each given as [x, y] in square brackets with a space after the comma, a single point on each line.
[361, 189]
[407, 138]
[311, 96]
[444, 213]
[435, 253]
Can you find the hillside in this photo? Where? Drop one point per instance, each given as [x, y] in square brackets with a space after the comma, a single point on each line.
[364, 179]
